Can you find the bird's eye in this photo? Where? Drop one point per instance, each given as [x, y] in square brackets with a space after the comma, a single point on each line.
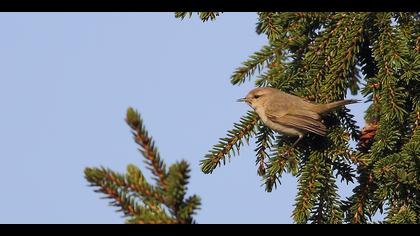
[257, 96]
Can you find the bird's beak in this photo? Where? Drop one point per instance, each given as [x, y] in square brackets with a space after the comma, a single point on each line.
[241, 100]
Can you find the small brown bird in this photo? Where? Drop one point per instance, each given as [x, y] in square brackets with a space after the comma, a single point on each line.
[289, 114]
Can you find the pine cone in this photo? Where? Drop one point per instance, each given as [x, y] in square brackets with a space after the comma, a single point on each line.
[367, 135]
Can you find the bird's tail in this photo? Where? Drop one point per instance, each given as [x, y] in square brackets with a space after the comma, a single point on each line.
[324, 108]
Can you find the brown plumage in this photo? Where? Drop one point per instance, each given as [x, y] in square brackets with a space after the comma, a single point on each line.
[289, 114]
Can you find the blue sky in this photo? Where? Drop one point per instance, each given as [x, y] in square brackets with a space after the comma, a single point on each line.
[66, 80]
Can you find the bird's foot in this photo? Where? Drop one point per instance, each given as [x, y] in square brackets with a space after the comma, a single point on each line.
[287, 155]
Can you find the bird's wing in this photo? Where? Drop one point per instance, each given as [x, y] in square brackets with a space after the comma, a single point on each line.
[306, 121]
[278, 106]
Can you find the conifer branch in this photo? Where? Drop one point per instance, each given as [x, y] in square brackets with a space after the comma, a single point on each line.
[269, 78]
[327, 209]
[386, 139]
[204, 16]
[343, 73]
[182, 15]
[277, 165]
[308, 188]
[402, 215]
[136, 182]
[147, 147]
[356, 207]
[317, 60]
[110, 183]
[178, 177]
[188, 208]
[389, 53]
[141, 202]
[264, 139]
[147, 217]
[340, 154]
[257, 61]
[267, 24]
[275, 169]
[227, 146]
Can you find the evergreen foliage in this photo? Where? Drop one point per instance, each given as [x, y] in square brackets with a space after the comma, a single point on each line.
[323, 57]
[141, 202]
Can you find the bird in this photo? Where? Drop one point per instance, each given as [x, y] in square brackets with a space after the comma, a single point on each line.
[289, 114]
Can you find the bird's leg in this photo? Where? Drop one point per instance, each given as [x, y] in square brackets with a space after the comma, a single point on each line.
[287, 153]
[297, 140]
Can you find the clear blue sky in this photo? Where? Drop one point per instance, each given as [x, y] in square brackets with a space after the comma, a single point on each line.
[66, 80]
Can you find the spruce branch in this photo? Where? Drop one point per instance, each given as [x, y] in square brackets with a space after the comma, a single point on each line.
[269, 78]
[390, 53]
[178, 177]
[134, 199]
[328, 207]
[147, 217]
[275, 169]
[308, 188]
[136, 182]
[227, 146]
[343, 73]
[402, 215]
[182, 15]
[188, 208]
[204, 16]
[110, 183]
[387, 139]
[277, 164]
[357, 206]
[264, 141]
[318, 59]
[257, 61]
[267, 24]
[141, 202]
[147, 147]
